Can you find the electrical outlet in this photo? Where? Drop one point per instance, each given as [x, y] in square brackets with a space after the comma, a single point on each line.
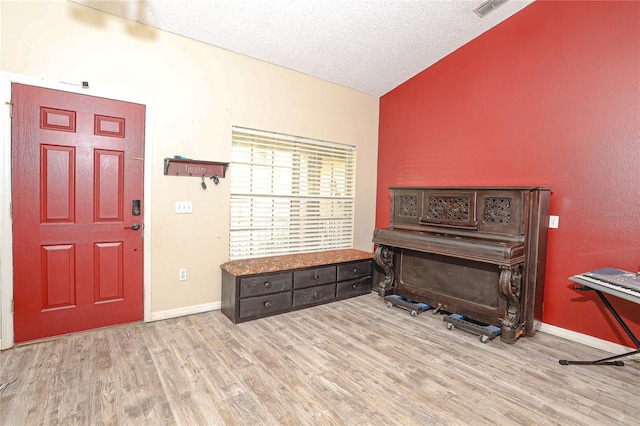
[182, 275]
[553, 221]
[184, 207]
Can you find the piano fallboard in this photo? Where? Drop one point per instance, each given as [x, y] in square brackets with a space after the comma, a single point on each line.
[504, 253]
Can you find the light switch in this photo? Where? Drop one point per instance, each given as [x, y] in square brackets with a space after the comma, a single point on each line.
[184, 207]
[553, 221]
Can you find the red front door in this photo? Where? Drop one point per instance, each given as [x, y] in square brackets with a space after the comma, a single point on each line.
[77, 185]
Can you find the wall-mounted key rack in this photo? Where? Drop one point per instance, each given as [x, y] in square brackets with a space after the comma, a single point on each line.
[202, 169]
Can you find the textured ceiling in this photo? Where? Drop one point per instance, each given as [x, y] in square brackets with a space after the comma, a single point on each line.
[368, 45]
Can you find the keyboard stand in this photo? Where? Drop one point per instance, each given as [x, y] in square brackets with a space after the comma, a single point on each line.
[608, 360]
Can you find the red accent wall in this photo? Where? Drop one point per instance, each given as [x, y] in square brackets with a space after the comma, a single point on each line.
[550, 97]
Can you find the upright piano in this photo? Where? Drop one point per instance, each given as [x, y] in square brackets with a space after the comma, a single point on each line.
[479, 252]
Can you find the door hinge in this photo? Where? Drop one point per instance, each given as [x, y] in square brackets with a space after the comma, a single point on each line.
[10, 210]
[10, 108]
[12, 312]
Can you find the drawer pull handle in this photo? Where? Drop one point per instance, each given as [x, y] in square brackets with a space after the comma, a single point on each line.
[315, 295]
[355, 270]
[267, 304]
[316, 276]
[354, 286]
[267, 284]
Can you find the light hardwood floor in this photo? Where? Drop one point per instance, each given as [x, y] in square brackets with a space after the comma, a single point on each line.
[353, 362]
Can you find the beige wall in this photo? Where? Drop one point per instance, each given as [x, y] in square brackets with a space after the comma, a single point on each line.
[199, 92]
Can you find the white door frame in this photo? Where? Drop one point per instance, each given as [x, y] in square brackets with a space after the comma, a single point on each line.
[6, 232]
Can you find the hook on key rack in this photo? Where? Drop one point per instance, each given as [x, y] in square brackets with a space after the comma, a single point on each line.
[214, 178]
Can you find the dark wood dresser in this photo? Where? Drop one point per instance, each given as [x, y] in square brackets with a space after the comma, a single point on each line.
[479, 252]
[260, 287]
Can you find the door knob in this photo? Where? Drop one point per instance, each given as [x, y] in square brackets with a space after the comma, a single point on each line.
[135, 226]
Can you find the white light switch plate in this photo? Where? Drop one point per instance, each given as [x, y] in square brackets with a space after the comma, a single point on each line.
[184, 207]
[553, 221]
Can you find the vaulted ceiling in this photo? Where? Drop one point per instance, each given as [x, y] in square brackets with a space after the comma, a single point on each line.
[368, 45]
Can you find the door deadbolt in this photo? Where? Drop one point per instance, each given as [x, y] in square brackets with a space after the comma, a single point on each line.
[135, 207]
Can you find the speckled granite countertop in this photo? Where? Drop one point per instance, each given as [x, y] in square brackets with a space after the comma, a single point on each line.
[260, 265]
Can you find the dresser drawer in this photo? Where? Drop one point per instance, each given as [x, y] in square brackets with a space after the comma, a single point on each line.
[313, 277]
[265, 284]
[263, 305]
[354, 287]
[260, 287]
[349, 271]
[310, 295]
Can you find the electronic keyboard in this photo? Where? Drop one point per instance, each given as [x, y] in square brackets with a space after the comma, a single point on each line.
[616, 282]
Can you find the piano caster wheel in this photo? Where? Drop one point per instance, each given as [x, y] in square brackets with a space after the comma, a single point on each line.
[414, 313]
[389, 305]
[450, 326]
[484, 339]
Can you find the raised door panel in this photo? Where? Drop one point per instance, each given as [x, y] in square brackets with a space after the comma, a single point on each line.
[109, 272]
[57, 183]
[108, 186]
[58, 277]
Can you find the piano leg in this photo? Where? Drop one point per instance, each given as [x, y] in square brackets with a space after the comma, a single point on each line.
[510, 283]
[625, 327]
[384, 258]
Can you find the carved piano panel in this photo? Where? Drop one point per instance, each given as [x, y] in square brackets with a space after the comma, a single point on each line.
[478, 252]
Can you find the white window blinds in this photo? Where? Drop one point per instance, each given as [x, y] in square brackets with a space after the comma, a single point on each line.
[289, 194]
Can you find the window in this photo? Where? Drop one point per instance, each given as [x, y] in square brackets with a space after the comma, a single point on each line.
[289, 194]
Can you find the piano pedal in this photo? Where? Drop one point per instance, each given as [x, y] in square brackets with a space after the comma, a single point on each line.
[485, 332]
[413, 307]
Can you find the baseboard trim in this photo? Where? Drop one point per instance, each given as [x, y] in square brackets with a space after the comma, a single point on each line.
[180, 312]
[584, 339]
